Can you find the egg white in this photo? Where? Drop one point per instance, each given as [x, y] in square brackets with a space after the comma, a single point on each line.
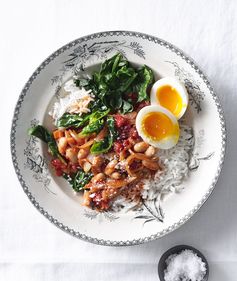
[164, 143]
[177, 85]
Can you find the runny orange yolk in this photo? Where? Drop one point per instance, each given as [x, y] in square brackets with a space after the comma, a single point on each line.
[170, 99]
[158, 126]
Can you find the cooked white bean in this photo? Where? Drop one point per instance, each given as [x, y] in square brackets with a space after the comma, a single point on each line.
[86, 198]
[109, 169]
[86, 166]
[115, 175]
[62, 144]
[82, 153]
[71, 154]
[97, 161]
[150, 151]
[98, 177]
[140, 147]
[96, 164]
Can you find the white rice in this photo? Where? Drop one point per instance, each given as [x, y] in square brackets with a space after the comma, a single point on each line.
[175, 170]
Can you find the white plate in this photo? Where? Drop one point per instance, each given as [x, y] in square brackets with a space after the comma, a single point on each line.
[53, 197]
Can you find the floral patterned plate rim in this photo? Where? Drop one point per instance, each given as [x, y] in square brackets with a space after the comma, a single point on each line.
[55, 201]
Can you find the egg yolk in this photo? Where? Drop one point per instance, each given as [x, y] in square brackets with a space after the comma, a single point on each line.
[158, 126]
[169, 98]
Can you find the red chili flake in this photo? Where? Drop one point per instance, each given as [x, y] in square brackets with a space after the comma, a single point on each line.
[104, 205]
[99, 202]
[124, 132]
[134, 134]
[59, 172]
[97, 197]
[58, 166]
[142, 104]
[56, 162]
[118, 147]
[120, 120]
[74, 168]
[126, 143]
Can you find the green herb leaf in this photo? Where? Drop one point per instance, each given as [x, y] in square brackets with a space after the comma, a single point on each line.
[115, 102]
[116, 78]
[144, 79]
[82, 82]
[72, 120]
[78, 180]
[41, 133]
[93, 127]
[127, 107]
[101, 146]
[95, 123]
[111, 128]
[104, 145]
[97, 115]
[125, 75]
[44, 135]
[76, 121]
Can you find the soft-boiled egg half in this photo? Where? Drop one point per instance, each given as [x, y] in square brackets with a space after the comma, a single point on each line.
[171, 94]
[157, 126]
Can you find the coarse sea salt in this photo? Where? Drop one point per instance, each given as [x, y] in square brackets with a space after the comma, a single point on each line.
[185, 266]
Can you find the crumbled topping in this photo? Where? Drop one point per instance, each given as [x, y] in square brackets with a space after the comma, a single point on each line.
[76, 100]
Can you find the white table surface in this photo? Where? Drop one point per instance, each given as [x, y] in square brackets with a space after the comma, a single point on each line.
[33, 249]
